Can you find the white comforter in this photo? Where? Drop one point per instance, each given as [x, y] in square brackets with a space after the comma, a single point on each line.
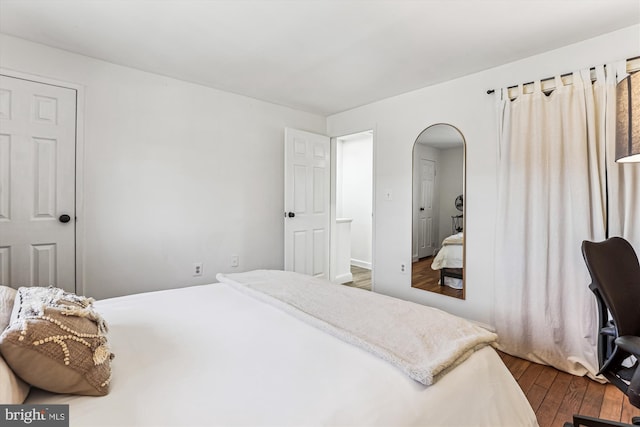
[451, 253]
[210, 355]
[421, 341]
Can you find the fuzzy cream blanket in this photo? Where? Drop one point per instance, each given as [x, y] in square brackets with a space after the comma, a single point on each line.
[455, 239]
[423, 342]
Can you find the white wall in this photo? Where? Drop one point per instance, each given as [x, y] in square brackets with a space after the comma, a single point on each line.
[450, 186]
[354, 193]
[173, 173]
[463, 103]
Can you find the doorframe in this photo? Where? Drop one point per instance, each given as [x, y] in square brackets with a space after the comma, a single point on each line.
[79, 164]
[333, 198]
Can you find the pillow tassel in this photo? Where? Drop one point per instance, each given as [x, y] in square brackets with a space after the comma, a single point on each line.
[101, 355]
[72, 310]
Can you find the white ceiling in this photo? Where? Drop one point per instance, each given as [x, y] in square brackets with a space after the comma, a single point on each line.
[322, 56]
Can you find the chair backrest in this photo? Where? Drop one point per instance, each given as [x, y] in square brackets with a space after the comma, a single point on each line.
[615, 275]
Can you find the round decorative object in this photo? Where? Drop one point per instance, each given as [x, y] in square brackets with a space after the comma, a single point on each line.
[459, 203]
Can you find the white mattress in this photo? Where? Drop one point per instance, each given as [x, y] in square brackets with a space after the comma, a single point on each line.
[210, 355]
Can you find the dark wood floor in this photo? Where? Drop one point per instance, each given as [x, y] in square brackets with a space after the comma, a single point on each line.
[555, 395]
[361, 278]
[424, 277]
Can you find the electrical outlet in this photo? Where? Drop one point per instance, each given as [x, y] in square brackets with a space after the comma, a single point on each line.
[197, 269]
[235, 260]
[403, 268]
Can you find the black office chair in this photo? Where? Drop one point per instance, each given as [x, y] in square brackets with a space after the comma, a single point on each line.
[615, 281]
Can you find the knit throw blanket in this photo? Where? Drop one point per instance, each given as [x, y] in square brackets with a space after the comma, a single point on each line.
[423, 342]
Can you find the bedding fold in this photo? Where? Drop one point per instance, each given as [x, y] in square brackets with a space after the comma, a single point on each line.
[423, 342]
[454, 239]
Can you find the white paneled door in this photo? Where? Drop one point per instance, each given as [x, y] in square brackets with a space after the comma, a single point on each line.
[37, 184]
[425, 208]
[306, 203]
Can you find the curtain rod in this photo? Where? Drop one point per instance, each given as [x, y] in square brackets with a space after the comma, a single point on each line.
[633, 65]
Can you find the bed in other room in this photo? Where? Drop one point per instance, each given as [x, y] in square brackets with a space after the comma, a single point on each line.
[449, 260]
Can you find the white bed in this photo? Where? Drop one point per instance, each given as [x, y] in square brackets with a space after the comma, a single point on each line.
[450, 256]
[213, 355]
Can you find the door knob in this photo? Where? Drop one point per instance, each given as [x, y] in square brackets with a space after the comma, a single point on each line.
[64, 218]
[421, 209]
[291, 214]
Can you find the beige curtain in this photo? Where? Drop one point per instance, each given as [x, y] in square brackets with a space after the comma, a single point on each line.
[552, 196]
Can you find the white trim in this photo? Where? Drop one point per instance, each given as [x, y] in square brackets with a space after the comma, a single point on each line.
[79, 196]
[373, 203]
[332, 210]
[361, 264]
[343, 278]
[334, 142]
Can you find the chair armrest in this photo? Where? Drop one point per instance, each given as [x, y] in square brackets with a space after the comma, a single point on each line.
[630, 344]
[609, 331]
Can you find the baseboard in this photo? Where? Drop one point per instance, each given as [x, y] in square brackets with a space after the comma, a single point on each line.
[361, 264]
[344, 278]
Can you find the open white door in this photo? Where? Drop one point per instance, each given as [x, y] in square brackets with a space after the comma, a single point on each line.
[306, 203]
[37, 184]
[425, 208]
